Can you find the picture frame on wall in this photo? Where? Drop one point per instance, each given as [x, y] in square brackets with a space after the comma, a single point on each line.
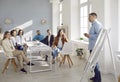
[43, 21]
[8, 21]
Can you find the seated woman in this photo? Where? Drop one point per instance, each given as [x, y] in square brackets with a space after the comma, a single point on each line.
[21, 43]
[14, 37]
[11, 51]
[58, 43]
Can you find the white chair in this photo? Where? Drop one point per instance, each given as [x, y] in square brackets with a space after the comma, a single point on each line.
[11, 60]
[66, 51]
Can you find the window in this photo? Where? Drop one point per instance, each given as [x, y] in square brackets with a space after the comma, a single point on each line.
[119, 25]
[83, 1]
[85, 8]
[60, 13]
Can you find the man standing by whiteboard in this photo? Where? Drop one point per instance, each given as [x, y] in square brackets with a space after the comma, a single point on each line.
[96, 26]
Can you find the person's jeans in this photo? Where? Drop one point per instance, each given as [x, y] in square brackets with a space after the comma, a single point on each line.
[55, 52]
[97, 76]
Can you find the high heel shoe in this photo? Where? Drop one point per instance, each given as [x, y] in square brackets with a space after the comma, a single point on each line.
[23, 70]
[30, 64]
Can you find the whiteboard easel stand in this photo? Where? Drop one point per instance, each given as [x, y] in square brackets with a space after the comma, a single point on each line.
[96, 53]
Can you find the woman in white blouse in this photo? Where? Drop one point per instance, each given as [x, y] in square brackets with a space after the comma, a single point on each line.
[14, 37]
[21, 41]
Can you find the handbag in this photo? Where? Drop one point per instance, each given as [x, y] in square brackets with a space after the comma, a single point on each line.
[19, 47]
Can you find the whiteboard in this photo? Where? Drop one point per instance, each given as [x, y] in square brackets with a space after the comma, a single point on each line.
[93, 58]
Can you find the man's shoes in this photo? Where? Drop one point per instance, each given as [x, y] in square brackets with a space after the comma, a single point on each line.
[30, 64]
[46, 58]
[23, 70]
[92, 78]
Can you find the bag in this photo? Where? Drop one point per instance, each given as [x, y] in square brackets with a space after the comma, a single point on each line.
[19, 47]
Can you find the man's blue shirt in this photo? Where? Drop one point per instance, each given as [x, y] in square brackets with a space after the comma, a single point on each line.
[38, 37]
[94, 32]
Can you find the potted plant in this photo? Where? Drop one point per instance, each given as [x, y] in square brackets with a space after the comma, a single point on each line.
[79, 52]
[81, 38]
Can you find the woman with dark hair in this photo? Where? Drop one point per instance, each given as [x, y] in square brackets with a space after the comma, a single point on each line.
[20, 38]
[58, 43]
[14, 37]
[11, 51]
[21, 43]
[60, 39]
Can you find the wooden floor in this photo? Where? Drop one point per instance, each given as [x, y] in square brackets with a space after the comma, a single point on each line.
[58, 74]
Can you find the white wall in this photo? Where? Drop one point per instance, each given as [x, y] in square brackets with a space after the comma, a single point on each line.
[118, 61]
[75, 17]
[119, 23]
[55, 16]
[71, 18]
[111, 21]
[98, 7]
[21, 11]
[66, 16]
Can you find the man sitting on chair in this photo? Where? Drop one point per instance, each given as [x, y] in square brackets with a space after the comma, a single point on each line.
[38, 37]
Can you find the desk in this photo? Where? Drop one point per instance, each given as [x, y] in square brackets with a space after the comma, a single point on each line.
[37, 51]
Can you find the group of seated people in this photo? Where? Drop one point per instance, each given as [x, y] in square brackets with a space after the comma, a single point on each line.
[55, 42]
[14, 44]
[11, 50]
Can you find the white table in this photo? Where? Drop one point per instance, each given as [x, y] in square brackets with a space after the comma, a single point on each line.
[40, 49]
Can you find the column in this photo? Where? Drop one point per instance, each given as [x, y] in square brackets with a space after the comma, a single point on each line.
[55, 15]
[71, 18]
